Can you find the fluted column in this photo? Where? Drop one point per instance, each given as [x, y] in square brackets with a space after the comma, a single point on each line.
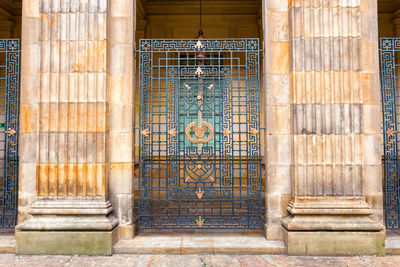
[72, 212]
[335, 129]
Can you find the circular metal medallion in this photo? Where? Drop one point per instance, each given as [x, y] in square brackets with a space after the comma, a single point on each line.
[199, 132]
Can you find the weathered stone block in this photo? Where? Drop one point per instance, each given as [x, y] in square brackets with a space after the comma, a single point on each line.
[310, 243]
[65, 243]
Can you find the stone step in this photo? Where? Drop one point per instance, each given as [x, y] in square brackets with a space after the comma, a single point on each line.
[392, 246]
[199, 243]
[7, 243]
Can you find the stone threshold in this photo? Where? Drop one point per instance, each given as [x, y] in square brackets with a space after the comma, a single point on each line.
[7, 243]
[200, 243]
[197, 243]
[392, 243]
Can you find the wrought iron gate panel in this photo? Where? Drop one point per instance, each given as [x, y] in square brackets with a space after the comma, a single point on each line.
[199, 147]
[9, 111]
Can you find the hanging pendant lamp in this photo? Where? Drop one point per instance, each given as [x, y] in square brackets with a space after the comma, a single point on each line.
[200, 37]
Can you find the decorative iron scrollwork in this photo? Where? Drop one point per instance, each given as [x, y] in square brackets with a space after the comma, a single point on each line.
[10, 80]
[199, 132]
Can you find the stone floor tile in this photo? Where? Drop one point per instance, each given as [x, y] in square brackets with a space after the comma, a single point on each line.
[10, 260]
[7, 243]
[243, 244]
[157, 244]
[392, 245]
[220, 261]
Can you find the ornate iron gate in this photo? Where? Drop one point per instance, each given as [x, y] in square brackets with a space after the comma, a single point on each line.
[390, 82]
[200, 156]
[9, 101]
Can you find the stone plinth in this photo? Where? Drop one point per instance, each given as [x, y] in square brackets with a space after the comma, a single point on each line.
[332, 226]
[65, 242]
[68, 226]
[334, 243]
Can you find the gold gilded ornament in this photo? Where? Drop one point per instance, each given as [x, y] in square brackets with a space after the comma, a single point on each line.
[200, 193]
[253, 132]
[199, 45]
[200, 221]
[145, 132]
[226, 132]
[10, 132]
[199, 132]
[390, 132]
[172, 132]
[199, 72]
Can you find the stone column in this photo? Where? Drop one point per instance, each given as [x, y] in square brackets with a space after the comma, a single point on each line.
[64, 128]
[120, 83]
[277, 114]
[336, 207]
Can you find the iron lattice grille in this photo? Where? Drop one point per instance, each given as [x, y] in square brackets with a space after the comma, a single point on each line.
[9, 100]
[390, 82]
[199, 147]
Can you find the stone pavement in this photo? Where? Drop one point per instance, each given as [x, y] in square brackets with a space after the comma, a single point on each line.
[196, 260]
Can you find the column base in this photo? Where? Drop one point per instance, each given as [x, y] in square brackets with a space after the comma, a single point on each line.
[68, 226]
[323, 243]
[332, 226]
[65, 243]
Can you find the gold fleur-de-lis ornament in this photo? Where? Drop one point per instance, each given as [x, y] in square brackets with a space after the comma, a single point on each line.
[145, 132]
[199, 71]
[172, 132]
[199, 45]
[226, 132]
[253, 132]
[390, 132]
[200, 221]
[200, 193]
